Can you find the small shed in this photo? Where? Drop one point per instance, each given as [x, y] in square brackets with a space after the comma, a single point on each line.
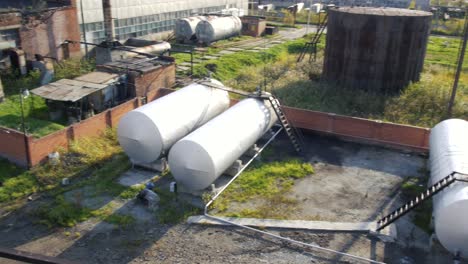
[253, 26]
[81, 97]
[143, 74]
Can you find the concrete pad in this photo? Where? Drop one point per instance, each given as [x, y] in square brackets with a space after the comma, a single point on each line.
[135, 177]
[182, 68]
[365, 227]
[211, 57]
[226, 52]
[184, 64]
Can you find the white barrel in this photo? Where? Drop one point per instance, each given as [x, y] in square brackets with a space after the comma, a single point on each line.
[216, 28]
[150, 130]
[185, 27]
[448, 154]
[200, 158]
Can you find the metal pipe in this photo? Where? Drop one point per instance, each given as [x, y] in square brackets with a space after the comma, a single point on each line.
[268, 233]
[83, 28]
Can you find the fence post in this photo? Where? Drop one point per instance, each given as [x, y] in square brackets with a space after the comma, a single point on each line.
[109, 118]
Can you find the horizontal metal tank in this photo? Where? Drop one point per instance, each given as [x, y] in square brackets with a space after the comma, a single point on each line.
[185, 28]
[150, 130]
[375, 49]
[198, 159]
[218, 27]
[448, 154]
[158, 48]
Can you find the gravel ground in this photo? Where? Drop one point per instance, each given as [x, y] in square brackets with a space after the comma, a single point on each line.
[352, 183]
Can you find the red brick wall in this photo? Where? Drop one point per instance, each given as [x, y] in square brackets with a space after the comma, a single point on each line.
[150, 81]
[12, 146]
[40, 148]
[348, 128]
[10, 19]
[47, 37]
[361, 130]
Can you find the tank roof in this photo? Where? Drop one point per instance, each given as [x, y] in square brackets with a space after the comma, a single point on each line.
[381, 11]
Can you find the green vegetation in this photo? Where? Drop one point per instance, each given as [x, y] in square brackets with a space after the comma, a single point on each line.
[451, 27]
[442, 51]
[298, 84]
[422, 214]
[36, 114]
[100, 153]
[172, 210]
[267, 182]
[230, 66]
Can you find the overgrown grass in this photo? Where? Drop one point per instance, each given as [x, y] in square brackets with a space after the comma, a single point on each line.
[423, 213]
[173, 210]
[101, 153]
[442, 51]
[268, 183]
[229, 66]
[37, 120]
[451, 27]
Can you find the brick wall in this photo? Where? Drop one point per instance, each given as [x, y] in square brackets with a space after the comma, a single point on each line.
[46, 36]
[163, 76]
[12, 146]
[366, 131]
[10, 20]
[361, 130]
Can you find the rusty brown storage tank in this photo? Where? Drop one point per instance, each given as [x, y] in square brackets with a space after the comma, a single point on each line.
[380, 49]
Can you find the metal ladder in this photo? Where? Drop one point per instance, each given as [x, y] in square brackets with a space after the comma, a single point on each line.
[312, 45]
[418, 200]
[294, 135]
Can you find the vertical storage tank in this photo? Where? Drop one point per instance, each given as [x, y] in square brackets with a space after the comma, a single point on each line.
[200, 158]
[150, 130]
[448, 154]
[379, 49]
[218, 27]
[185, 28]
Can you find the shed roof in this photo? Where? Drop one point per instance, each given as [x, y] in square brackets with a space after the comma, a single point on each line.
[68, 90]
[139, 64]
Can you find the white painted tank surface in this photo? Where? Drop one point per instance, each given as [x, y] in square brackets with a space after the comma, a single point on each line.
[216, 28]
[150, 130]
[448, 154]
[158, 48]
[198, 159]
[185, 27]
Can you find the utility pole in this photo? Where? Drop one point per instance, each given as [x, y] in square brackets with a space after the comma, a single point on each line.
[83, 28]
[461, 57]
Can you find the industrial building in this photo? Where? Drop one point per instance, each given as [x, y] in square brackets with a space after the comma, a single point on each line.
[149, 20]
[419, 4]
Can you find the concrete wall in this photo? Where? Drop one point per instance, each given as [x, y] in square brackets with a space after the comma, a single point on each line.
[45, 36]
[374, 49]
[397, 136]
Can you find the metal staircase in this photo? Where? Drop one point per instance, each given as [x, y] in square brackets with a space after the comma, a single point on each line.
[311, 47]
[294, 135]
[418, 200]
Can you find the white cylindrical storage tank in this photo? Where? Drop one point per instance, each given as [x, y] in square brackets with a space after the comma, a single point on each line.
[185, 27]
[200, 158]
[216, 28]
[150, 130]
[158, 48]
[448, 154]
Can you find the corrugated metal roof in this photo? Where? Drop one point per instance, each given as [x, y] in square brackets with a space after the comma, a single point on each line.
[98, 77]
[68, 90]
